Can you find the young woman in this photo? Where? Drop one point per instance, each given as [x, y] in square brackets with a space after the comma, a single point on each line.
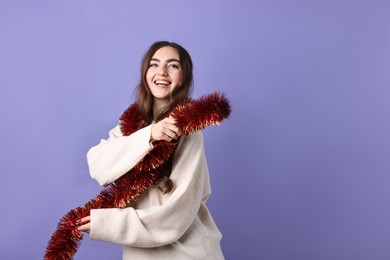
[169, 220]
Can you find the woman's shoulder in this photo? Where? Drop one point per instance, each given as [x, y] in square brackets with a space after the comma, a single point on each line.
[192, 140]
[196, 136]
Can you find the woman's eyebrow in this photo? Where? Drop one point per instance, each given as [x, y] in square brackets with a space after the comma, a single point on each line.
[169, 60]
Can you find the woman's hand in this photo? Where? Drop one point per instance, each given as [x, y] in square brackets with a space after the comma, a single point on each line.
[84, 224]
[165, 130]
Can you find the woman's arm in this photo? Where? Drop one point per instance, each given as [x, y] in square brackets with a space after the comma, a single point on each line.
[114, 157]
[165, 223]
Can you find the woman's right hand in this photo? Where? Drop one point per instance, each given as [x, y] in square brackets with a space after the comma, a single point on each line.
[84, 224]
[165, 130]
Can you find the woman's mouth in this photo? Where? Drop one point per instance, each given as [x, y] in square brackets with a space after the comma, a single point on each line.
[162, 83]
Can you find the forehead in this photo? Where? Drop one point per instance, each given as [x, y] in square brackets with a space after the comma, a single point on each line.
[165, 53]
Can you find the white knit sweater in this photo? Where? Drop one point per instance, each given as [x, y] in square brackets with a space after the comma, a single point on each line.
[170, 226]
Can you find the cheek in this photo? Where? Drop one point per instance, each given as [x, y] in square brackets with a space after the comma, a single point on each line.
[148, 75]
[149, 80]
[180, 78]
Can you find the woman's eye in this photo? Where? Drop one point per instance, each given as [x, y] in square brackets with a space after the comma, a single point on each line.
[174, 66]
[153, 65]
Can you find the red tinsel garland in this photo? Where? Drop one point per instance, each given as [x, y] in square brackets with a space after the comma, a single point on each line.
[191, 116]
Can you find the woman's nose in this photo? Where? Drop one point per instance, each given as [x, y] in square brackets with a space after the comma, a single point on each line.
[162, 70]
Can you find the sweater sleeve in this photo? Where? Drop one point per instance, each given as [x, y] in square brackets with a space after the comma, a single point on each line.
[165, 223]
[112, 158]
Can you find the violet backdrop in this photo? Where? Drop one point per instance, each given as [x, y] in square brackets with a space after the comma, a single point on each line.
[301, 170]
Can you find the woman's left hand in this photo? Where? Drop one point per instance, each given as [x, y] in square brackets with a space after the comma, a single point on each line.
[84, 224]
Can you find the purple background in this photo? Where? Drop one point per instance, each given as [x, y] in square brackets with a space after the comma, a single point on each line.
[301, 170]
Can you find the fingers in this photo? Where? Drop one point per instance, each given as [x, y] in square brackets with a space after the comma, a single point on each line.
[174, 130]
[85, 228]
[169, 125]
[84, 224]
[84, 220]
[171, 132]
[168, 135]
[170, 120]
[165, 130]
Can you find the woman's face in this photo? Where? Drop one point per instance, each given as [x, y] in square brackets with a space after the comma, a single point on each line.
[164, 73]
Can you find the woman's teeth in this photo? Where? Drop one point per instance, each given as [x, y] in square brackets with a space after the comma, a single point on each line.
[161, 82]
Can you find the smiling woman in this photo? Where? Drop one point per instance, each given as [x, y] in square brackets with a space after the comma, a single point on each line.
[174, 223]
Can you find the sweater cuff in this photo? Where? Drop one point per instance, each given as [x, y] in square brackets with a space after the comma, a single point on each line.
[103, 227]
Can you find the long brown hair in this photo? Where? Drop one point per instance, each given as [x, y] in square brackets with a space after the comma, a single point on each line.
[145, 97]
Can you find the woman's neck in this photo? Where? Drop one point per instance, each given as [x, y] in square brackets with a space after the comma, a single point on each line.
[158, 106]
